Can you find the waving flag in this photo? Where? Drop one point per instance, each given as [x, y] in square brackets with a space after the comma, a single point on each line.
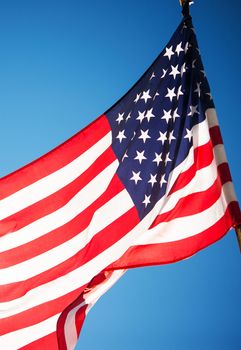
[146, 183]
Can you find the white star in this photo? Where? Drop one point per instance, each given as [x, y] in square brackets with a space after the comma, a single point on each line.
[145, 96]
[128, 117]
[198, 89]
[163, 137]
[136, 177]
[149, 114]
[167, 115]
[204, 73]
[188, 135]
[164, 73]
[163, 181]
[210, 95]
[152, 76]
[152, 180]
[193, 110]
[121, 135]
[137, 97]
[183, 69]
[175, 115]
[169, 53]
[170, 93]
[134, 134]
[120, 117]
[167, 159]
[179, 92]
[141, 116]
[147, 200]
[125, 156]
[171, 137]
[156, 94]
[174, 71]
[186, 47]
[179, 49]
[144, 136]
[140, 156]
[193, 63]
[158, 159]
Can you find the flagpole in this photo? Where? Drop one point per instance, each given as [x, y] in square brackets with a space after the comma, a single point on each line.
[238, 234]
[185, 8]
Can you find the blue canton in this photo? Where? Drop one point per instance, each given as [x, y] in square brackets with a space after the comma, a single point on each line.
[152, 124]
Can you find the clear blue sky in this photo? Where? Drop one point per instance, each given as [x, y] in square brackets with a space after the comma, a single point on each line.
[63, 63]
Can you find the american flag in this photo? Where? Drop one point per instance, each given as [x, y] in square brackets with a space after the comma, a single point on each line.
[146, 183]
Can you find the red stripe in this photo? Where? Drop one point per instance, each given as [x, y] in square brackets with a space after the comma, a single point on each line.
[56, 158]
[79, 319]
[235, 213]
[203, 156]
[48, 342]
[101, 241]
[224, 173]
[60, 198]
[165, 253]
[200, 201]
[215, 135]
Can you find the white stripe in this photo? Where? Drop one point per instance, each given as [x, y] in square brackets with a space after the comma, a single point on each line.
[91, 298]
[63, 215]
[228, 190]
[103, 217]
[53, 182]
[200, 134]
[180, 228]
[212, 117]
[21, 337]
[219, 154]
[70, 331]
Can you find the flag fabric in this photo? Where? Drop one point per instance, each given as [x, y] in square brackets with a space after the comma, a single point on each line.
[146, 183]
